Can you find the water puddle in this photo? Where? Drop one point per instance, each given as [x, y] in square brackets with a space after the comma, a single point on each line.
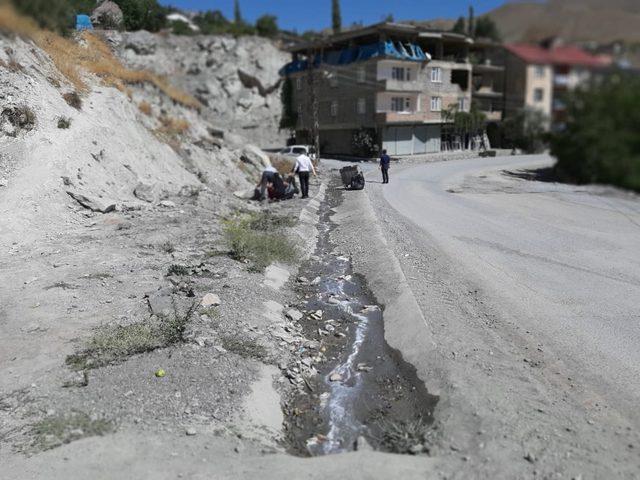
[363, 389]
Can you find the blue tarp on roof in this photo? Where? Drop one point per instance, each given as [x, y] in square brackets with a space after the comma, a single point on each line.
[388, 49]
[83, 22]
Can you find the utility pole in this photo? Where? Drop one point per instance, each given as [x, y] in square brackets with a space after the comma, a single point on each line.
[313, 94]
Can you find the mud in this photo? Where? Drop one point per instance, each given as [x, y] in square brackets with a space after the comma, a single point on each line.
[362, 387]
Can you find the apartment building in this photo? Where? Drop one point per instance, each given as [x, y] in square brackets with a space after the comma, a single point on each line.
[539, 77]
[392, 79]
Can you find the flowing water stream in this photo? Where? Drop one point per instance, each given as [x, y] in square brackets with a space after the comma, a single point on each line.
[365, 387]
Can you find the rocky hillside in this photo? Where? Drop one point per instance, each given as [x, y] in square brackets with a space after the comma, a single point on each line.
[236, 80]
[573, 20]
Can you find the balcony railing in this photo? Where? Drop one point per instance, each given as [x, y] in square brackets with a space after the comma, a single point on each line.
[408, 117]
[393, 85]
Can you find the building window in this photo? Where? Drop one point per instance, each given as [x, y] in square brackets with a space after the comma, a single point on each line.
[362, 106]
[397, 73]
[334, 108]
[300, 109]
[362, 75]
[299, 83]
[436, 104]
[539, 71]
[436, 75]
[400, 104]
[538, 95]
[462, 104]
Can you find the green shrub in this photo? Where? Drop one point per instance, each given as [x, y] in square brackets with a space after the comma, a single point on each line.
[526, 130]
[64, 123]
[600, 142]
[143, 14]
[250, 241]
[267, 26]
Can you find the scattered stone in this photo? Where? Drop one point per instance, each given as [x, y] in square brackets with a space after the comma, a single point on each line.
[294, 315]
[190, 432]
[530, 457]
[335, 377]
[167, 204]
[210, 300]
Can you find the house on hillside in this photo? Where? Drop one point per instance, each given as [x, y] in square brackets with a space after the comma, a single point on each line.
[539, 77]
[391, 80]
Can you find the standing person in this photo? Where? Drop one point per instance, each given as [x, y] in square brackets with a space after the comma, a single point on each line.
[303, 167]
[385, 161]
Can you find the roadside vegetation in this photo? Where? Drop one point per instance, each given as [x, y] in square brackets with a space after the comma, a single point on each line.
[258, 239]
[56, 430]
[112, 344]
[92, 55]
[600, 142]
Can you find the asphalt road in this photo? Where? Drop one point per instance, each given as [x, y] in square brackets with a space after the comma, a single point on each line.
[563, 260]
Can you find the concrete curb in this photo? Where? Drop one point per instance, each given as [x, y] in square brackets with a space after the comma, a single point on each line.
[406, 327]
[308, 220]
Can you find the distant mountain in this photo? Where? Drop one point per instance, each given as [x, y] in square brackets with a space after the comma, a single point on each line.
[573, 20]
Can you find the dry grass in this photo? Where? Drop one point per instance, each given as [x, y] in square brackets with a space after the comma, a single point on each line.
[90, 54]
[145, 108]
[283, 164]
[172, 127]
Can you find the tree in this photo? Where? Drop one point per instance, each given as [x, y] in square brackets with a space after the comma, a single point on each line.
[143, 14]
[600, 142]
[486, 28]
[471, 24]
[56, 15]
[460, 26]
[212, 22]
[237, 14]
[526, 130]
[267, 26]
[336, 17]
[289, 117]
[466, 124]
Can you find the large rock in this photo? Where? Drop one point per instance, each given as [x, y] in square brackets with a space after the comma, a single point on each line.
[92, 203]
[146, 192]
[107, 15]
[252, 155]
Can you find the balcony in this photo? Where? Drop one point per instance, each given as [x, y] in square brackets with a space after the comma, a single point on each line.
[487, 92]
[408, 117]
[494, 116]
[391, 85]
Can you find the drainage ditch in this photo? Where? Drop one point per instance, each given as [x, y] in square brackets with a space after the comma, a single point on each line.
[357, 390]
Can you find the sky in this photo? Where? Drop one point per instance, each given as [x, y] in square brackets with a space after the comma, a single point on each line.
[304, 15]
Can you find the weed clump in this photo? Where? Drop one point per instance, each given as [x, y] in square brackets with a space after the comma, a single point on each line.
[53, 431]
[256, 239]
[178, 270]
[145, 108]
[245, 347]
[73, 100]
[20, 118]
[403, 437]
[113, 344]
[64, 123]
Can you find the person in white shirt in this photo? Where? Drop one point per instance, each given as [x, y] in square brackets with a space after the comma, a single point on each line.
[303, 167]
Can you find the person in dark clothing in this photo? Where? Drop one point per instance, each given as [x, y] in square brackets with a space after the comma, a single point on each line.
[385, 161]
[267, 177]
